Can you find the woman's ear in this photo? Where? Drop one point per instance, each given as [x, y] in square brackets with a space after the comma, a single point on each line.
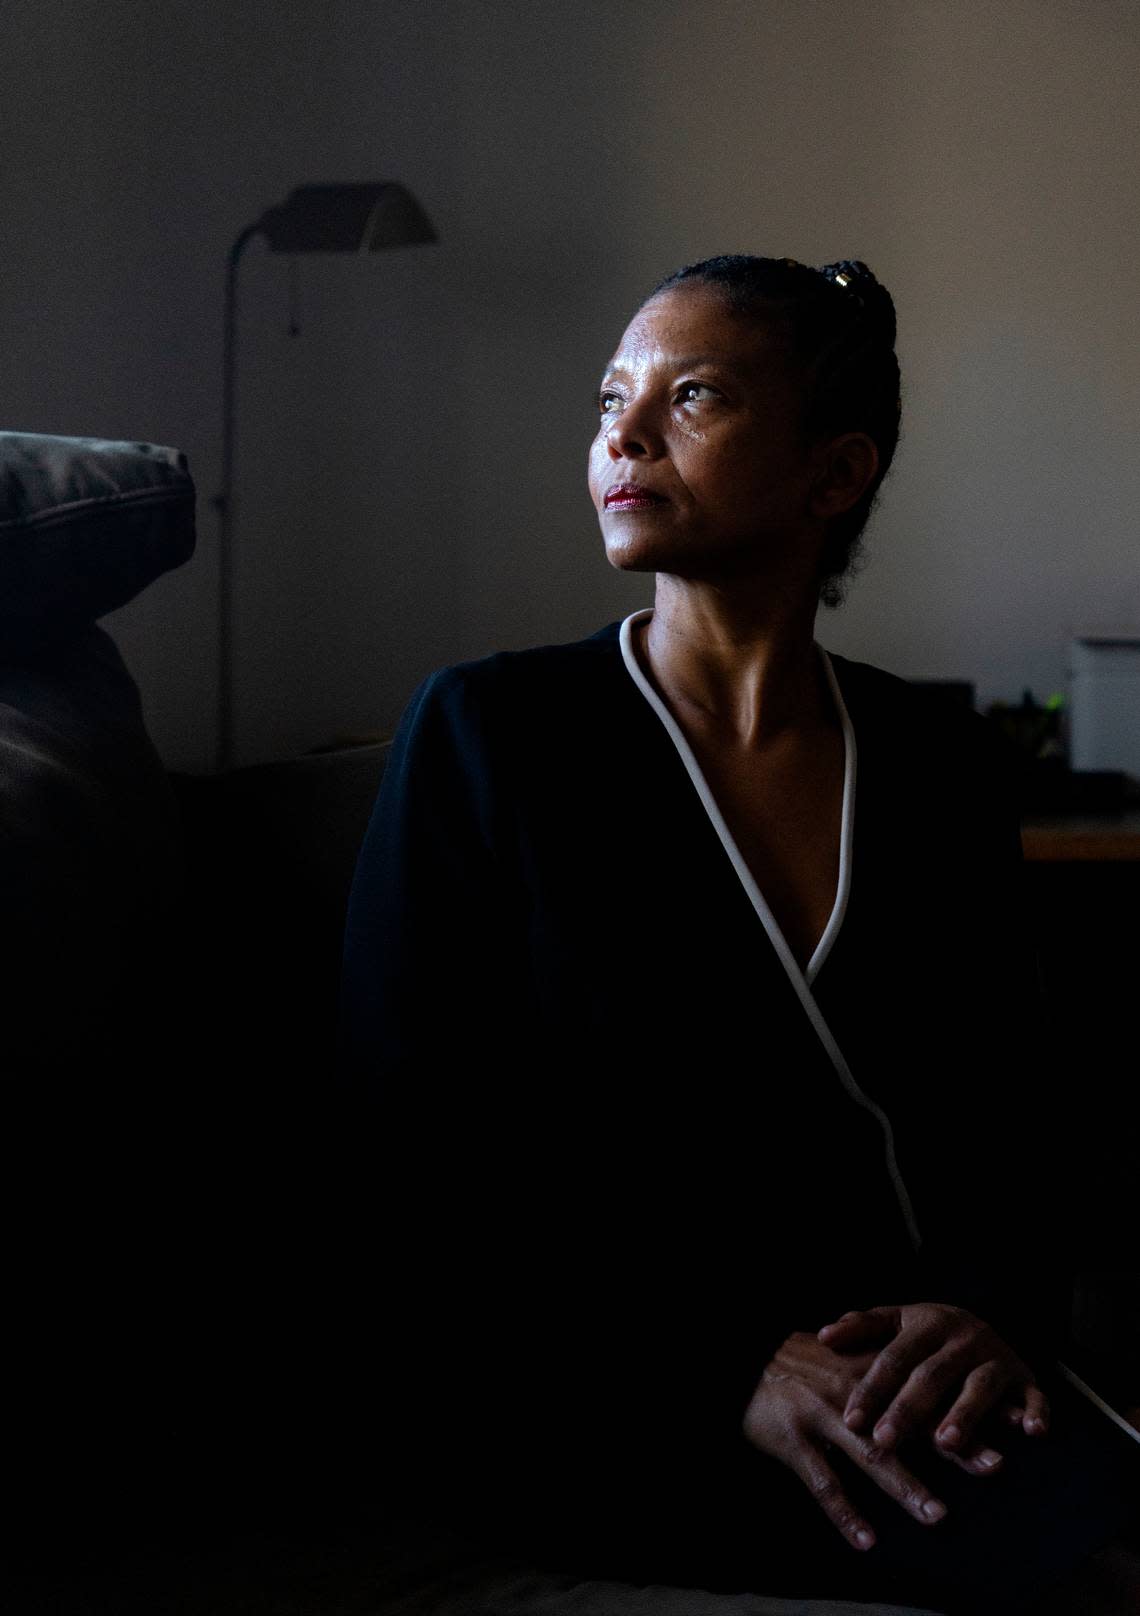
[847, 469]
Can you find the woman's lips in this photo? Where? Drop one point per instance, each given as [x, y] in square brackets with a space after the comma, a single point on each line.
[632, 499]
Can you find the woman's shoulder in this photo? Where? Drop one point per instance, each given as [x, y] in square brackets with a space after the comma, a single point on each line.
[529, 690]
[545, 660]
[528, 679]
[924, 725]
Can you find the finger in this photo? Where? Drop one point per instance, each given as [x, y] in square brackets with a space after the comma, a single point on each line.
[977, 1461]
[982, 1390]
[887, 1471]
[860, 1329]
[1037, 1411]
[925, 1393]
[885, 1378]
[825, 1487]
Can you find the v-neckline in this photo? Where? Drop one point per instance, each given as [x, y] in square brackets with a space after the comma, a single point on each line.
[805, 975]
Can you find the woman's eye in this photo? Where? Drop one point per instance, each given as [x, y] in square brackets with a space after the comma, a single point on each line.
[687, 388]
[607, 403]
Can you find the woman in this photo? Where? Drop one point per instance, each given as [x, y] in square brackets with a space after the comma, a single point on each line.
[682, 1060]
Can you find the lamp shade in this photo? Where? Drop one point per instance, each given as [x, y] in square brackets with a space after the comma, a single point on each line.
[346, 218]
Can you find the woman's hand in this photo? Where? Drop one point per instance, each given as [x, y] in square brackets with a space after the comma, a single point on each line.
[933, 1354]
[796, 1416]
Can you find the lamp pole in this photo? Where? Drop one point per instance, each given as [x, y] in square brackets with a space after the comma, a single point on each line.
[313, 218]
[224, 505]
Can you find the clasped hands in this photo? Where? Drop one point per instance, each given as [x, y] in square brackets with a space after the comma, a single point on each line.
[877, 1380]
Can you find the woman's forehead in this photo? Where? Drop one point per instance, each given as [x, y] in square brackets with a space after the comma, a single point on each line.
[693, 325]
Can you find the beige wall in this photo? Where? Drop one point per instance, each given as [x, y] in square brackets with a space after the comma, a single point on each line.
[411, 469]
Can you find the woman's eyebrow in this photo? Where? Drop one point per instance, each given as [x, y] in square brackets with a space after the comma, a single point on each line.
[690, 361]
[685, 362]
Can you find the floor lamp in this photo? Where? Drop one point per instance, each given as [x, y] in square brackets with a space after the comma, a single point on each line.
[313, 218]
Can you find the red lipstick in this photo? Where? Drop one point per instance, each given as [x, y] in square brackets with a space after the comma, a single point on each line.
[631, 497]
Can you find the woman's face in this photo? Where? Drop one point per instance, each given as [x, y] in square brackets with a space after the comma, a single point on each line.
[700, 417]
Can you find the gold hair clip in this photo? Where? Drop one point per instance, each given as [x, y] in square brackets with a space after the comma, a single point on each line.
[841, 279]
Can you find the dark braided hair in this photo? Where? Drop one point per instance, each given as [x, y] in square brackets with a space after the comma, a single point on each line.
[839, 325]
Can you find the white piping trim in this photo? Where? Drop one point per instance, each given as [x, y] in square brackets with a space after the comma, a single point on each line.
[839, 909]
[799, 981]
[1098, 1402]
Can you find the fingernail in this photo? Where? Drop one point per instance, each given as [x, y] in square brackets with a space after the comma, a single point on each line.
[1034, 1424]
[933, 1510]
[885, 1434]
[989, 1458]
[865, 1539]
[951, 1435]
[853, 1419]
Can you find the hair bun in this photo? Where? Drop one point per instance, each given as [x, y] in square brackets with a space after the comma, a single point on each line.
[852, 276]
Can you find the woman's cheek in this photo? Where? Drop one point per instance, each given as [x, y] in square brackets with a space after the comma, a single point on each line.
[692, 430]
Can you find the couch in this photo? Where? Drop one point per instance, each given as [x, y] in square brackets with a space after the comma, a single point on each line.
[170, 952]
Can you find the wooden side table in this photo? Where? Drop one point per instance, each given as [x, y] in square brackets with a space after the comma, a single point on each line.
[1112, 838]
[1083, 880]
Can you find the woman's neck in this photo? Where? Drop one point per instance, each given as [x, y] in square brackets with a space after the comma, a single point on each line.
[743, 668]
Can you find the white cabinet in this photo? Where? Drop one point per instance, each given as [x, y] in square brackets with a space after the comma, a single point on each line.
[1104, 701]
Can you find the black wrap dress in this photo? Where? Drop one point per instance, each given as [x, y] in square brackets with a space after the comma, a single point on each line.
[615, 1145]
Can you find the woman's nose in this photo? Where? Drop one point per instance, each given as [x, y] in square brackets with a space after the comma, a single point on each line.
[633, 434]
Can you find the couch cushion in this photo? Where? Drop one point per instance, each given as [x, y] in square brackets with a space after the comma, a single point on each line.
[90, 840]
[85, 524]
[91, 875]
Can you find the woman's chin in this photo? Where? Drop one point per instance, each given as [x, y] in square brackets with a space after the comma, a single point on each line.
[631, 556]
[624, 562]
[657, 558]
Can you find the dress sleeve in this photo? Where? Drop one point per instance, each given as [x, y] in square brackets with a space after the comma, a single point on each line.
[433, 1028]
[428, 993]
